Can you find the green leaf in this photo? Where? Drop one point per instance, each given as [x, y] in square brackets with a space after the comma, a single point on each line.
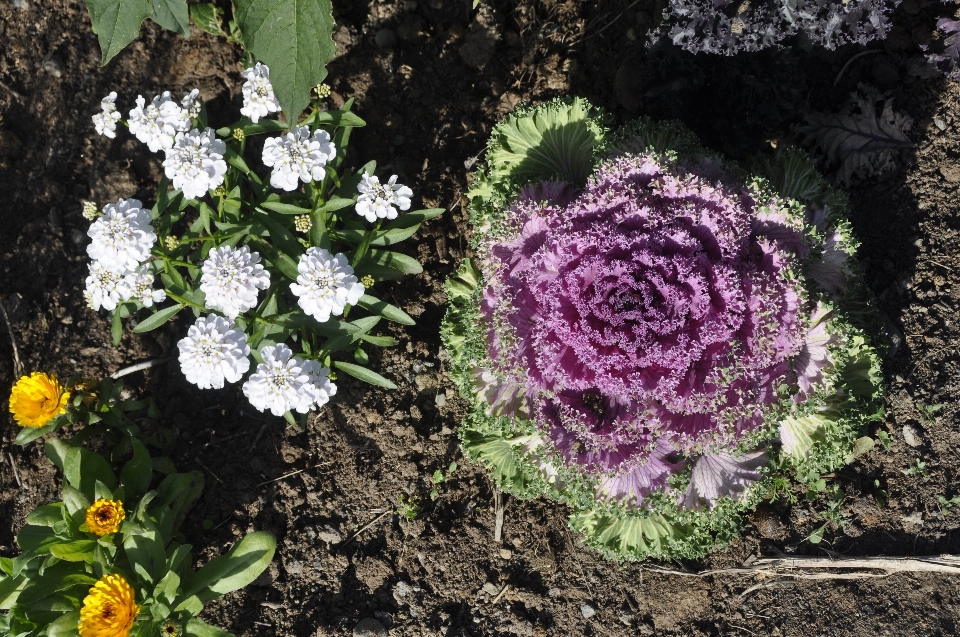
[364, 374]
[76, 504]
[29, 434]
[384, 309]
[116, 328]
[199, 628]
[402, 262]
[65, 625]
[136, 474]
[83, 469]
[817, 536]
[76, 551]
[167, 587]
[180, 491]
[342, 117]
[285, 208]
[117, 23]
[336, 203]
[236, 160]
[281, 237]
[632, 536]
[172, 15]
[157, 319]
[295, 39]
[798, 435]
[207, 17]
[46, 515]
[192, 605]
[241, 565]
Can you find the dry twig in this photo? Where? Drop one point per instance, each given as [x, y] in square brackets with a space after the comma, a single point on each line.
[17, 365]
[16, 472]
[498, 522]
[139, 366]
[377, 519]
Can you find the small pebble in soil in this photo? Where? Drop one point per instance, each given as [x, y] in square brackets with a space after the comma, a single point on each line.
[506, 554]
[369, 627]
[440, 400]
[329, 535]
[401, 590]
[587, 611]
[910, 436]
[53, 66]
[627, 618]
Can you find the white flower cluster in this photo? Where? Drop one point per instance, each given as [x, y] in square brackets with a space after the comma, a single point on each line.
[258, 97]
[122, 240]
[377, 201]
[284, 382]
[157, 125]
[195, 162]
[326, 284]
[231, 278]
[298, 156]
[106, 121]
[214, 351]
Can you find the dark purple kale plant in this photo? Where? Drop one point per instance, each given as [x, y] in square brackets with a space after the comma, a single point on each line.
[944, 53]
[728, 27]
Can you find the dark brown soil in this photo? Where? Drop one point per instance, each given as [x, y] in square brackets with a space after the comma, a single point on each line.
[432, 77]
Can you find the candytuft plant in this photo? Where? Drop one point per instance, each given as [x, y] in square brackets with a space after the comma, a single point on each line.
[654, 339]
[262, 258]
[109, 559]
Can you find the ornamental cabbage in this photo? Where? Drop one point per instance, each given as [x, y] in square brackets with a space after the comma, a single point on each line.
[650, 334]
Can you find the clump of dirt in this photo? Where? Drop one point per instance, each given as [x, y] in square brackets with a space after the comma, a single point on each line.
[366, 534]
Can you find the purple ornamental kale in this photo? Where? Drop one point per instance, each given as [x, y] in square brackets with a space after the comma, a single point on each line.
[654, 315]
[945, 53]
[728, 27]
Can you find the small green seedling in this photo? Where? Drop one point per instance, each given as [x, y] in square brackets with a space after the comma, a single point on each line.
[439, 478]
[919, 468]
[884, 439]
[927, 416]
[409, 507]
[946, 505]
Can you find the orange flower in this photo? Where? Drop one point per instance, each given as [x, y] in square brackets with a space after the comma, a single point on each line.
[37, 399]
[108, 609]
[104, 517]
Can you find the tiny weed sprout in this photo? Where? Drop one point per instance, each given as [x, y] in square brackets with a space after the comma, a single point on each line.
[653, 334]
[109, 559]
[270, 260]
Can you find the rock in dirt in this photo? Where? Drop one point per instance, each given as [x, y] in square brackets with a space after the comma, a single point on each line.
[329, 535]
[911, 437]
[401, 590]
[369, 627]
[587, 611]
[950, 172]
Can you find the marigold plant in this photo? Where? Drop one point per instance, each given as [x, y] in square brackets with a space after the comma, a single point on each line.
[109, 609]
[650, 333]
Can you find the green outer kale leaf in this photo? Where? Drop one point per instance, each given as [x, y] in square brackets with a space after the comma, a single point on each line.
[117, 23]
[295, 39]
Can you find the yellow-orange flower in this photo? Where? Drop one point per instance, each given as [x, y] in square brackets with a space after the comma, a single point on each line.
[37, 399]
[104, 517]
[108, 609]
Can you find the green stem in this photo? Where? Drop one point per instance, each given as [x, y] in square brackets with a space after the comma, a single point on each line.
[365, 245]
[183, 301]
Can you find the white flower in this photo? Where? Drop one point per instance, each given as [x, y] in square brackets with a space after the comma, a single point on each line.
[326, 284]
[157, 124]
[106, 122]
[377, 200]
[105, 288]
[284, 382]
[191, 104]
[214, 351]
[298, 156]
[258, 98]
[140, 286]
[318, 376]
[195, 162]
[122, 237]
[231, 278]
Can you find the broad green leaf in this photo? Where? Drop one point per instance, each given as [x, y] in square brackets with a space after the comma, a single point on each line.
[83, 469]
[180, 491]
[76, 504]
[76, 551]
[136, 474]
[402, 262]
[207, 16]
[798, 435]
[338, 118]
[46, 515]
[117, 23]
[336, 203]
[364, 374]
[167, 587]
[631, 536]
[10, 589]
[172, 15]
[192, 605]
[154, 321]
[817, 536]
[116, 328]
[65, 625]
[241, 565]
[199, 628]
[29, 434]
[384, 309]
[295, 39]
[414, 218]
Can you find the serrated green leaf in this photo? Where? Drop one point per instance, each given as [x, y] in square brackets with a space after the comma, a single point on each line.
[156, 320]
[364, 374]
[798, 435]
[295, 39]
[117, 23]
[172, 15]
[634, 536]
